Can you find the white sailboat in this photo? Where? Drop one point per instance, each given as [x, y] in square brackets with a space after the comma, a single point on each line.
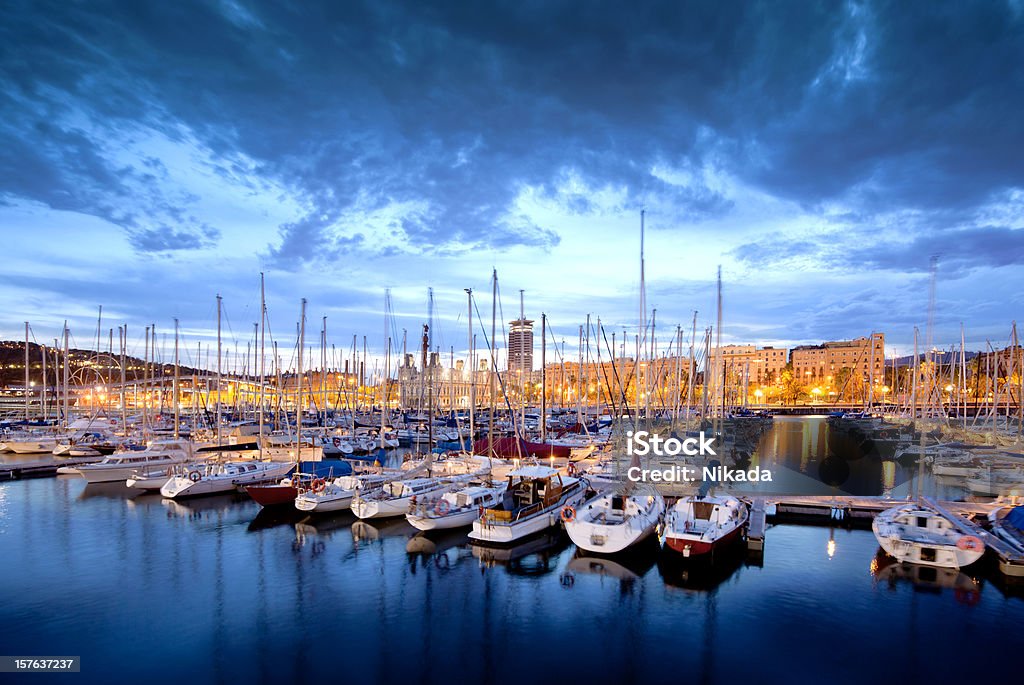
[917, 534]
[394, 497]
[457, 508]
[216, 477]
[338, 494]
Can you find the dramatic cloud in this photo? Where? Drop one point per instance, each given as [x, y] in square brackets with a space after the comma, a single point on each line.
[407, 143]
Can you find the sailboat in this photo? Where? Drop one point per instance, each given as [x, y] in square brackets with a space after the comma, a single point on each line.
[918, 534]
[701, 524]
[531, 503]
[629, 513]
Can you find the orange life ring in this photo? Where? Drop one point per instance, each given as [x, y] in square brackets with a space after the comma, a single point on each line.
[571, 469]
[195, 476]
[318, 485]
[568, 514]
[442, 507]
[969, 543]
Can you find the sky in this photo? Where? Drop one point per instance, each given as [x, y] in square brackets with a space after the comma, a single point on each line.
[155, 155]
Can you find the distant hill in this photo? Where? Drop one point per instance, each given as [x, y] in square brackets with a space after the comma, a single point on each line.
[86, 366]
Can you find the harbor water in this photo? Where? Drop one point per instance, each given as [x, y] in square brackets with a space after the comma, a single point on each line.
[214, 590]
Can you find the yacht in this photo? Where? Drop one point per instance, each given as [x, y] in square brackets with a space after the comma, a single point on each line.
[700, 524]
[920, 535]
[532, 502]
[121, 465]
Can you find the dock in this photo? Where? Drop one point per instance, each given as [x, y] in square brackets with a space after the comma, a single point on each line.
[757, 524]
[1011, 562]
[42, 468]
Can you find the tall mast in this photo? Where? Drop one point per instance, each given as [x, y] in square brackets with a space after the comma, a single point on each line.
[387, 366]
[491, 365]
[27, 380]
[145, 384]
[177, 383]
[298, 411]
[472, 371]
[218, 369]
[718, 353]
[323, 369]
[67, 372]
[643, 318]
[263, 358]
[543, 377]
[122, 333]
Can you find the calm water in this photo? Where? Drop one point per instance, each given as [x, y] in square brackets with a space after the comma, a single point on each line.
[215, 591]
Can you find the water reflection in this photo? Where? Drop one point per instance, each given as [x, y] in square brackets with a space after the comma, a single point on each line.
[533, 556]
[627, 569]
[114, 490]
[702, 574]
[373, 530]
[966, 589]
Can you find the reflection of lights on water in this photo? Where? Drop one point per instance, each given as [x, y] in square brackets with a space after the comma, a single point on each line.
[831, 548]
[888, 474]
[873, 568]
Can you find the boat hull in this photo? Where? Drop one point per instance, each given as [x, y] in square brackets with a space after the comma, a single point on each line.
[603, 538]
[272, 495]
[692, 547]
[506, 533]
[459, 519]
[323, 503]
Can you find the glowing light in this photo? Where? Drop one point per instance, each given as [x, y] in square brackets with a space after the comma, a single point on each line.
[831, 548]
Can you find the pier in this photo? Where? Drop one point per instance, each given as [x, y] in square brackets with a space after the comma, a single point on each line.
[42, 468]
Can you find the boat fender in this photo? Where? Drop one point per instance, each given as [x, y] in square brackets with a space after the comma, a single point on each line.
[969, 543]
[195, 476]
[318, 485]
[442, 507]
[568, 513]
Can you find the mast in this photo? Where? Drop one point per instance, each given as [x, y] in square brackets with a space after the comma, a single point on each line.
[323, 370]
[177, 383]
[492, 366]
[263, 358]
[27, 380]
[543, 377]
[145, 384]
[67, 371]
[298, 411]
[218, 369]
[387, 366]
[718, 353]
[643, 319]
[122, 333]
[472, 372]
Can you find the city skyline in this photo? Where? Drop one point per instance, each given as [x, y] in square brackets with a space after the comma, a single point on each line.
[820, 154]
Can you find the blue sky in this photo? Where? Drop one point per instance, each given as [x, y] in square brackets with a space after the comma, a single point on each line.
[153, 155]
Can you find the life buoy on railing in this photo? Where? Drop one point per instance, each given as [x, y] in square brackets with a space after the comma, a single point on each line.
[568, 514]
[571, 469]
[195, 476]
[442, 507]
[337, 442]
[318, 485]
[969, 543]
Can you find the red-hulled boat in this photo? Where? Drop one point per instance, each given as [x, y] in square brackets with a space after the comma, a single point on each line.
[517, 448]
[283, 492]
[697, 525]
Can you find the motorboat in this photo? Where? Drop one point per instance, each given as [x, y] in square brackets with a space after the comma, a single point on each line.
[121, 465]
[918, 534]
[531, 503]
[699, 524]
[1008, 525]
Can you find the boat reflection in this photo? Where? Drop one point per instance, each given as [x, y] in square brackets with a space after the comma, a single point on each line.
[929, 579]
[533, 556]
[364, 531]
[202, 507]
[112, 490]
[271, 517]
[702, 575]
[427, 543]
[626, 568]
[325, 526]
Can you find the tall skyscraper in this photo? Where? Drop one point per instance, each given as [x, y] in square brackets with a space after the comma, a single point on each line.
[520, 345]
